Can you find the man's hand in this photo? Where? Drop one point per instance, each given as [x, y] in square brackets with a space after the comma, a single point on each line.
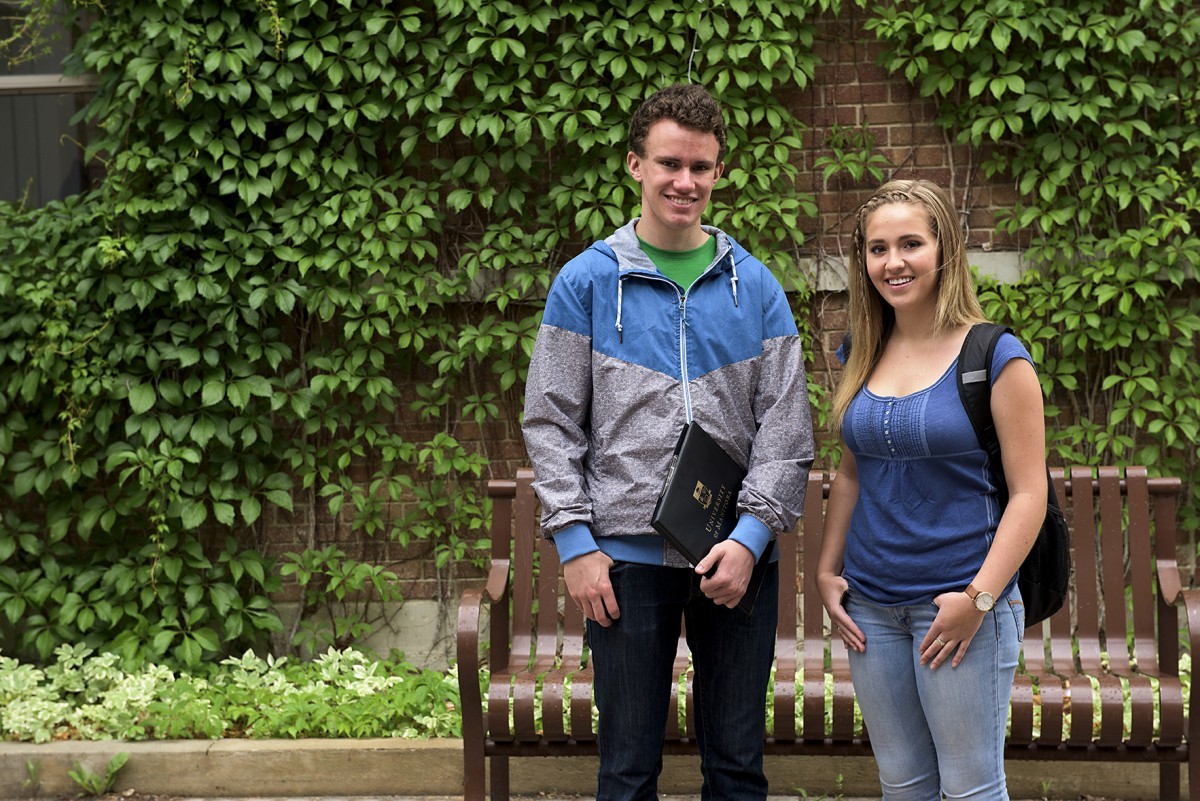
[733, 563]
[590, 589]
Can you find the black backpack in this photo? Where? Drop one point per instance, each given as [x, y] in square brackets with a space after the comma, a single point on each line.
[1045, 572]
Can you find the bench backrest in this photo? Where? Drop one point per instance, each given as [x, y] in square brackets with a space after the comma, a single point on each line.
[1118, 616]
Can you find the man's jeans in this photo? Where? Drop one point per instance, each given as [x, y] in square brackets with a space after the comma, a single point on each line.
[731, 653]
[936, 731]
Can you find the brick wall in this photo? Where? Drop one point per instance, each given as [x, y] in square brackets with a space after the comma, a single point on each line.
[853, 91]
[850, 90]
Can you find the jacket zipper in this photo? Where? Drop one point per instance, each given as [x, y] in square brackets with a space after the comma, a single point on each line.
[683, 361]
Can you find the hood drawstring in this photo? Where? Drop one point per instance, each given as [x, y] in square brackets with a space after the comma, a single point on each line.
[733, 282]
[620, 287]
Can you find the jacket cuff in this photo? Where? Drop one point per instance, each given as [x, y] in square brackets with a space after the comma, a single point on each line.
[751, 533]
[574, 541]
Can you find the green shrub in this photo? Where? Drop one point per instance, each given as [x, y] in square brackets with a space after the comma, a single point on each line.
[348, 693]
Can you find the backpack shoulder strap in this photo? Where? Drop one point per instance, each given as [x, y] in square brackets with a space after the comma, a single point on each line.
[975, 388]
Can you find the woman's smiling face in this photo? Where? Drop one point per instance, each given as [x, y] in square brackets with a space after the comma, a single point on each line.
[902, 255]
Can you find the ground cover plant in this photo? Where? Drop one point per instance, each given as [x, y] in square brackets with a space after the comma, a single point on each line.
[90, 696]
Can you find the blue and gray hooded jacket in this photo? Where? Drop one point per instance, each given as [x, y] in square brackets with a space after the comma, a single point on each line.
[624, 358]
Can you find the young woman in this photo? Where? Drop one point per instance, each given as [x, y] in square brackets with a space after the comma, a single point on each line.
[918, 562]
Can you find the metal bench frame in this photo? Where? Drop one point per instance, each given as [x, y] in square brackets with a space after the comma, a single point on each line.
[534, 643]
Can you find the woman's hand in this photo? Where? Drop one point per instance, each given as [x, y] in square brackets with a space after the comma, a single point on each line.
[953, 629]
[833, 588]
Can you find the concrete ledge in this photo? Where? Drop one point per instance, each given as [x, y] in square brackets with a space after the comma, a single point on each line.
[227, 768]
[383, 767]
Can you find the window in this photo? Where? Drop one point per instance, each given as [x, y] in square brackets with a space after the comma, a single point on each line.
[41, 152]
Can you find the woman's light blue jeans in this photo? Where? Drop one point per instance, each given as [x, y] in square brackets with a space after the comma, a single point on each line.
[936, 731]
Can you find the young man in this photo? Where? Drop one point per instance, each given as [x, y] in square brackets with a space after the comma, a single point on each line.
[668, 320]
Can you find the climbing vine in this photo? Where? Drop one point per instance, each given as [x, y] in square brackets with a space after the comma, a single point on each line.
[1092, 111]
[277, 342]
[273, 344]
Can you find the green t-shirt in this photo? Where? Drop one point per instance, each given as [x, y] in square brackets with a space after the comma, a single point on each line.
[682, 266]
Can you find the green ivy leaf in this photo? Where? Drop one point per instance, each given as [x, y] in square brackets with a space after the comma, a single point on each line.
[142, 398]
[193, 515]
[224, 513]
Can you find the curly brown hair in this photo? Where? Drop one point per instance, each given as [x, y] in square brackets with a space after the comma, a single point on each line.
[687, 104]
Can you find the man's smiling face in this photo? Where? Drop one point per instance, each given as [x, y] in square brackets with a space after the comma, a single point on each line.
[677, 174]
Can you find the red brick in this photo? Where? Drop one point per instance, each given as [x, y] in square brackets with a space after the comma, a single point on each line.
[930, 156]
[290, 592]
[890, 114]
[914, 134]
[827, 116]
[830, 202]
[940, 176]
[467, 430]
[409, 571]
[863, 93]
[897, 157]
[981, 218]
[904, 93]
[1004, 195]
[837, 318]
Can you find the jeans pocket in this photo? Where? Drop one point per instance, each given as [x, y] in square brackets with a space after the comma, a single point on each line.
[1018, 613]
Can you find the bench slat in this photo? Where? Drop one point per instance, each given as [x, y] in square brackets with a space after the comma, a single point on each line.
[1086, 574]
[783, 691]
[1112, 568]
[1141, 566]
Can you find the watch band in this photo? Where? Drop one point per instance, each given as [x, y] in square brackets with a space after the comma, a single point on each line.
[974, 594]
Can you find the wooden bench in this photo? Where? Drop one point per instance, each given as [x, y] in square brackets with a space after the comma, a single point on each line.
[1111, 655]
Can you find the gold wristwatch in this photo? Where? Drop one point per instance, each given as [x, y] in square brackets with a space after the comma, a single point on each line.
[983, 600]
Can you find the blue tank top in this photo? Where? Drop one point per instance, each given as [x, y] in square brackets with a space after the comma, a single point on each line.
[927, 509]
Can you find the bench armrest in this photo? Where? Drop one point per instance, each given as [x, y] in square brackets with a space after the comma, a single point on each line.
[1190, 601]
[1170, 583]
[470, 614]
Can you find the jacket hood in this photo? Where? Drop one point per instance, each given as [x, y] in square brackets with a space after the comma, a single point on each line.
[623, 247]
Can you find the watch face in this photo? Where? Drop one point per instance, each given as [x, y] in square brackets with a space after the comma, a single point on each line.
[984, 601]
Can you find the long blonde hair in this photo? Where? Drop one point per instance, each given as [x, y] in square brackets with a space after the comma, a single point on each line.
[871, 319]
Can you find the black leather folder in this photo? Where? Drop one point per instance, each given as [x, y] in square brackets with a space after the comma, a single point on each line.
[698, 504]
